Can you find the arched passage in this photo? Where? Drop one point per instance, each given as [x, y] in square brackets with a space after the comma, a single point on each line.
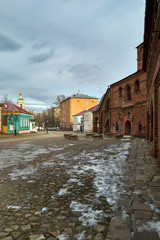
[127, 128]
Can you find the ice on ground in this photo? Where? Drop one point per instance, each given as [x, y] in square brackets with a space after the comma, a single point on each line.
[63, 237]
[61, 155]
[89, 216]
[62, 191]
[151, 226]
[14, 207]
[56, 149]
[44, 209]
[81, 236]
[73, 180]
[16, 156]
[48, 164]
[29, 170]
[107, 169]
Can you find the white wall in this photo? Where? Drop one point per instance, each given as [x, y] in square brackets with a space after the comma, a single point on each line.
[88, 121]
[77, 123]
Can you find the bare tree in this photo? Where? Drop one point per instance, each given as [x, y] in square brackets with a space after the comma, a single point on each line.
[59, 99]
[6, 99]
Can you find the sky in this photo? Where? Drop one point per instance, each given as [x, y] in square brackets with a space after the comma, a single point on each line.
[54, 47]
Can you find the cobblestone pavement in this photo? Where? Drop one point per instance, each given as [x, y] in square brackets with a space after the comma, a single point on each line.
[52, 188]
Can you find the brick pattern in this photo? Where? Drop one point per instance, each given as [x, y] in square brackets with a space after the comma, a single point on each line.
[124, 106]
[152, 68]
[120, 115]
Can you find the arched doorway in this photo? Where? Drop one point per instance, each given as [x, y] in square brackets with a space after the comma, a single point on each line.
[128, 128]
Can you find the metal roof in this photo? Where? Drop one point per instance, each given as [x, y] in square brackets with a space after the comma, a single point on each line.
[10, 107]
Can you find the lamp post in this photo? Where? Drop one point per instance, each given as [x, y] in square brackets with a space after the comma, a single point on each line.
[15, 131]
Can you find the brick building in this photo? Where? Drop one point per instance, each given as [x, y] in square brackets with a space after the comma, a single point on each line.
[73, 105]
[151, 64]
[122, 109]
[101, 117]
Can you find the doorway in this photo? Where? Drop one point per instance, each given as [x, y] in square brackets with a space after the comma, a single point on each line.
[127, 128]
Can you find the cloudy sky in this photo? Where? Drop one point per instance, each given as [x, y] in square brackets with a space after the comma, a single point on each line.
[53, 47]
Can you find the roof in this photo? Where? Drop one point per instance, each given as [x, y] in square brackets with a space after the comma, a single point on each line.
[80, 95]
[89, 110]
[14, 108]
[20, 99]
[128, 77]
[102, 100]
[140, 45]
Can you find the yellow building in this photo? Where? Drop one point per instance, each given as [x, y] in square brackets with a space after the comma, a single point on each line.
[73, 105]
[20, 101]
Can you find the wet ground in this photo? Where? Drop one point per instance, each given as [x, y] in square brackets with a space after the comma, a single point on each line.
[53, 188]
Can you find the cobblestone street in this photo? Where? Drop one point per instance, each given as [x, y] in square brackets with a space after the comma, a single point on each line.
[98, 189]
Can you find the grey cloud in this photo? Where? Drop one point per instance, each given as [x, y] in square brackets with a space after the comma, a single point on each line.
[83, 71]
[39, 46]
[7, 44]
[40, 58]
[40, 94]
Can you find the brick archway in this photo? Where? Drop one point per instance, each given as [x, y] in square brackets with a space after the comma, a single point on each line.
[128, 128]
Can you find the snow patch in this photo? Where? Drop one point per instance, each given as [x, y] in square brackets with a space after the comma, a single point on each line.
[151, 226]
[62, 191]
[81, 236]
[89, 216]
[22, 173]
[63, 236]
[14, 207]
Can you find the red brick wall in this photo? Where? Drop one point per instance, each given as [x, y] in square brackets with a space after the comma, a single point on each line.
[133, 110]
[152, 67]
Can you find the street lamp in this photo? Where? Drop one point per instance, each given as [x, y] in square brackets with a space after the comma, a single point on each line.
[15, 131]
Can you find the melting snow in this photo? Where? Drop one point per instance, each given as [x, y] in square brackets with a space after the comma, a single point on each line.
[89, 216]
[107, 168]
[14, 207]
[62, 191]
[151, 226]
[22, 173]
[63, 237]
[81, 236]
[44, 209]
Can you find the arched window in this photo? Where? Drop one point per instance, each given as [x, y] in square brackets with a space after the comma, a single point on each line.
[120, 92]
[140, 127]
[96, 119]
[117, 127]
[136, 86]
[128, 93]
